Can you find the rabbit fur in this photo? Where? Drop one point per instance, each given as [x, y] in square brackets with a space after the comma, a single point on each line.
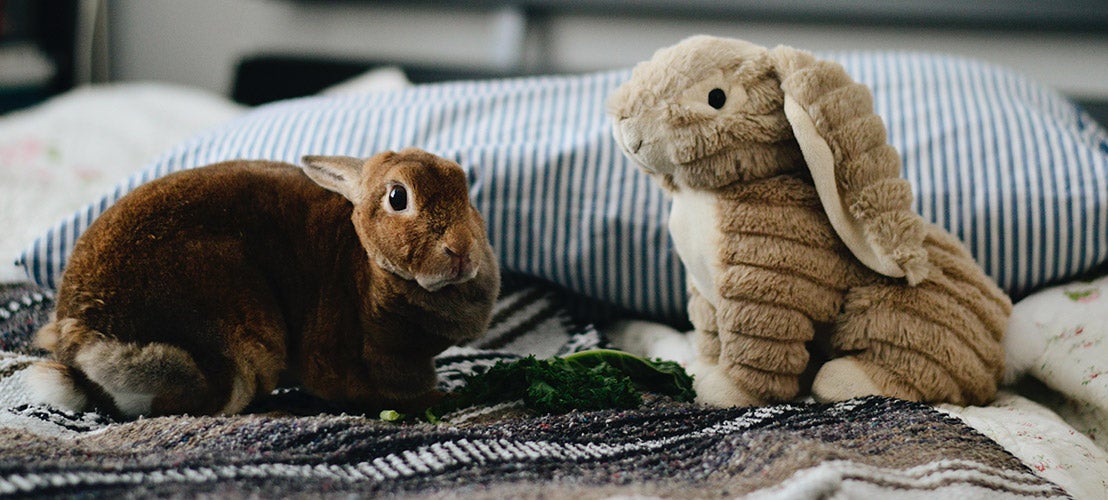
[205, 289]
[797, 234]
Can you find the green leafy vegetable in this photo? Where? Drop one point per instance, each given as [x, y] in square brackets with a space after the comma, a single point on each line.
[589, 380]
[390, 415]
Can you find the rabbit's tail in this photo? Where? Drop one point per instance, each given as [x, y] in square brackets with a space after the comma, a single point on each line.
[119, 378]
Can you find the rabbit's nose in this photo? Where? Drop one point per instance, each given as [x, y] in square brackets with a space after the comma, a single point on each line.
[460, 259]
[455, 254]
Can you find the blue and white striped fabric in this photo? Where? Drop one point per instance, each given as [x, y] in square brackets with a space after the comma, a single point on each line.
[1010, 167]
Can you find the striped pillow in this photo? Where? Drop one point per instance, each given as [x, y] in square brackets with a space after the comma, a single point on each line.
[1012, 168]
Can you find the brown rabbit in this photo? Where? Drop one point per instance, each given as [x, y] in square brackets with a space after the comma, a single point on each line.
[205, 289]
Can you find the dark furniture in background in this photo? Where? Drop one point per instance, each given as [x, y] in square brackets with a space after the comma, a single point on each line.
[34, 32]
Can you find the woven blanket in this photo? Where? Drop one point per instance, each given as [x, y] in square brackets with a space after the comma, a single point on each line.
[292, 446]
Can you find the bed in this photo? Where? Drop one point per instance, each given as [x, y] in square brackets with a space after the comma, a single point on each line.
[1014, 169]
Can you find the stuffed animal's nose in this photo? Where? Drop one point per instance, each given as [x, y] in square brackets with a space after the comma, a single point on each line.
[630, 136]
[633, 142]
[635, 146]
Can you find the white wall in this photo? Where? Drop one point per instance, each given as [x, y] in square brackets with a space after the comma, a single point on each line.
[198, 42]
[1077, 64]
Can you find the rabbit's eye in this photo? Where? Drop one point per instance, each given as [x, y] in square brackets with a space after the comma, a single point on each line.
[398, 198]
[717, 98]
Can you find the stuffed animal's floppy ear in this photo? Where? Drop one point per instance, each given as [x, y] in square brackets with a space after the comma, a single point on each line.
[856, 172]
[341, 174]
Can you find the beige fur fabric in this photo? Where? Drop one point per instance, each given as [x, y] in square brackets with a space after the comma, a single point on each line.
[811, 237]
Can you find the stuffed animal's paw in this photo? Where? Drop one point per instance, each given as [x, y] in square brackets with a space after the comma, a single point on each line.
[651, 340]
[714, 387]
[842, 379]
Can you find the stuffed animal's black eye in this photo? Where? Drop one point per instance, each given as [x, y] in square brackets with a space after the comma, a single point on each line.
[398, 198]
[716, 98]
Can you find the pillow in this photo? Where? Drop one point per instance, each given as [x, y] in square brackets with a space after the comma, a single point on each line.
[377, 79]
[1059, 335]
[1012, 168]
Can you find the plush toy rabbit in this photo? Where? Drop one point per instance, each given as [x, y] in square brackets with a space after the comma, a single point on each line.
[202, 290]
[793, 225]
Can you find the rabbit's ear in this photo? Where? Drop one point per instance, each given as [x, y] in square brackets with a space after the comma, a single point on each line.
[855, 171]
[341, 174]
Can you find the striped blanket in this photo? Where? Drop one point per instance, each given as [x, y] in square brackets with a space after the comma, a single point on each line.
[292, 445]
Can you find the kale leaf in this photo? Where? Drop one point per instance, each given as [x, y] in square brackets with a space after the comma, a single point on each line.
[588, 380]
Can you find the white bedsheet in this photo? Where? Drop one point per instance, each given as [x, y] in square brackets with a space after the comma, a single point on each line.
[56, 157]
[1043, 441]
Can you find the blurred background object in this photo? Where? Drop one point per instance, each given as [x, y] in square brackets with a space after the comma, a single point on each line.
[36, 50]
[205, 43]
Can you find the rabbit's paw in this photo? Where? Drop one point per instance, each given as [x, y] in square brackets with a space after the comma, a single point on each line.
[715, 388]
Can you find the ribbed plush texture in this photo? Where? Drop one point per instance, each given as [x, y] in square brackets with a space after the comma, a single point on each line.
[935, 336]
[1005, 164]
[815, 237]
